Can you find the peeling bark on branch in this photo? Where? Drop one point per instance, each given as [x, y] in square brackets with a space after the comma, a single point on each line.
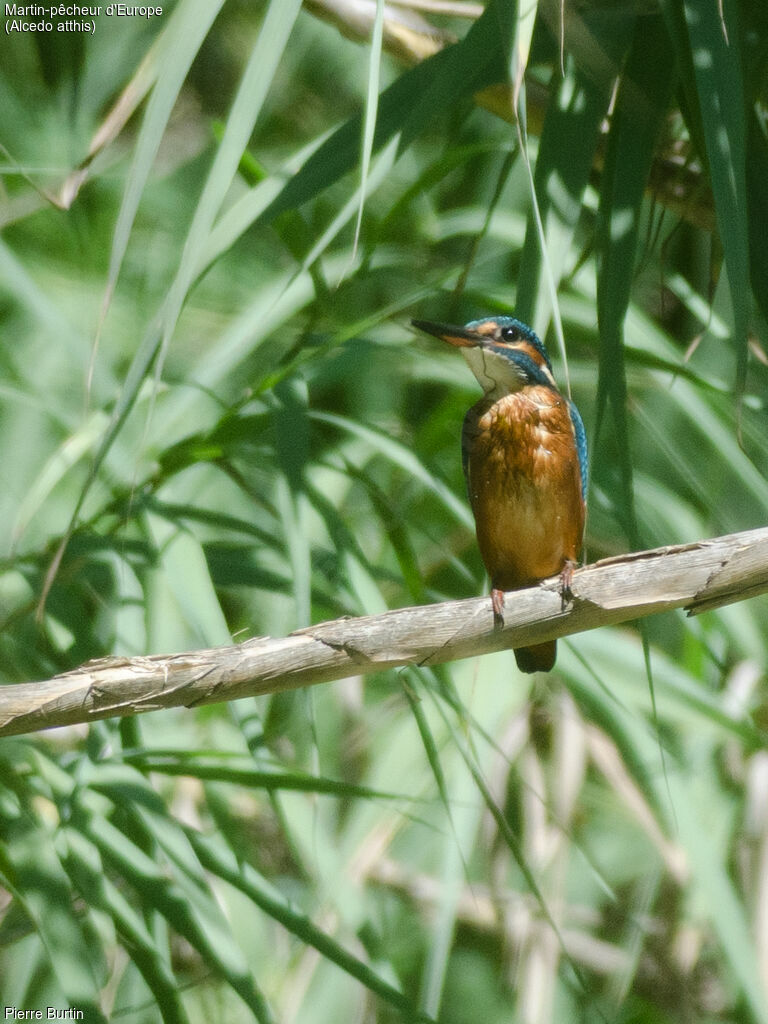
[698, 577]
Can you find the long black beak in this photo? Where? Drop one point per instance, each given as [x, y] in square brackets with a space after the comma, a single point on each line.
[458, 336]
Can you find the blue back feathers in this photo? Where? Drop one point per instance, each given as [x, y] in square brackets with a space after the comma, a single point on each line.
[580, 435]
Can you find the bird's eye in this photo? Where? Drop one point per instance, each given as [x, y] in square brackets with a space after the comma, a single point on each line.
[509, 333]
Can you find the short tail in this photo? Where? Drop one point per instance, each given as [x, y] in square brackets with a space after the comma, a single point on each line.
[540, 658]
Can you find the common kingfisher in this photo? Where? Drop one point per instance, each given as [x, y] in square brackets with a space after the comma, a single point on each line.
[524, 453]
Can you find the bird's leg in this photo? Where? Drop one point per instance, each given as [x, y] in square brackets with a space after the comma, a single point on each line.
[497, 603]
[566, 577]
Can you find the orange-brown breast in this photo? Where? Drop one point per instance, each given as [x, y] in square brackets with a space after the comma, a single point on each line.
[524, 485]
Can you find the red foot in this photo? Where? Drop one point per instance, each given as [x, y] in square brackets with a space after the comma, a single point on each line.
[566, 578]
[497, 603]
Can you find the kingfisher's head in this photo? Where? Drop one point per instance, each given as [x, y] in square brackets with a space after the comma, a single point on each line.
[504, 354]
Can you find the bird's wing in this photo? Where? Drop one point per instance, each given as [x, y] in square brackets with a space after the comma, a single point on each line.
[580, 436]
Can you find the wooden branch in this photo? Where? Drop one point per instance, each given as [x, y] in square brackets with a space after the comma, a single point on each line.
[698, 577]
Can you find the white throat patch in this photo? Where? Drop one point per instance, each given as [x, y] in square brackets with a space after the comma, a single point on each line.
[496, 375]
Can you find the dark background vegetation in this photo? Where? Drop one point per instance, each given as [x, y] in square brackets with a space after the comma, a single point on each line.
[213, 405]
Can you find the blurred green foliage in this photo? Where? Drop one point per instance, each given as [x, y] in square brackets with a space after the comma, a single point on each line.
[213, 408]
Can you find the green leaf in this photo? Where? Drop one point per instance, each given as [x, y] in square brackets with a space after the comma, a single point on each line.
[83, 864]
[189, 909]
[221, 862]
[714, 33]
[173, 54]
[640, 107]
[436, 85]
[34, 875]
[564, 161]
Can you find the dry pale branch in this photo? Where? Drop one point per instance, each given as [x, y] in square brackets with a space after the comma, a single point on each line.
[697, 577]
